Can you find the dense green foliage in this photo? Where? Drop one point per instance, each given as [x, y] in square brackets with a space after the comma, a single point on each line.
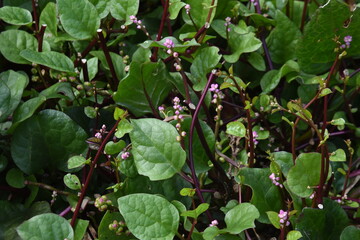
[179, 119]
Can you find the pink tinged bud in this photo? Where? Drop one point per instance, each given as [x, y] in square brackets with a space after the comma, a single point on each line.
[98, 135]
[214, 223]
[138, 27]
[183, 134]
[169, 51]
[175, 54]
[161, 108]
[125, 155]
[287, 223]
[177, 112]
[229, 29]
[178, 68]
[181, 117]
[272, 176]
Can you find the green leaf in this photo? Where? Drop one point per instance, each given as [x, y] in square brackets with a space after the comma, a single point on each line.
[46, 226]
[61, 87]
[115, 58]
[113, 148]
[80, 229]
[338, 156]
[350, 232]
[284, 160]
[326, 223]
[174, 8]
[123, 128]
[150, 79]
[205, 60]
[293, 235]
[317, 46]
[156, 152]
[197, 211]
[266, 196]
[179, 47]
[241, 40]
[12, 85]
[338, 122]
[236, 129]
[72, 181]
[102, 7]
[54, 60]
[274, 218]
[79, 18]
[76, 161]
[90, 112]
[92, 65]
[26, 110]
[149, 217]
[123, 9]
[283, 39]
[199, 12]
[15, 178]
[241, 218]
[104, 233]
[303, 184]
[15, 15]
[257, 61]
[190, 192]
[272, 78]
[46, 140]
[12, 42]
[48, 17]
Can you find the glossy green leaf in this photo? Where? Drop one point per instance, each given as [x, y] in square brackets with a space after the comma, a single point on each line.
[15, 15]
[197, 211]
[236, 129]
[92, 66]
[46, 140]
[199, 12]
[72, 181]
[283, 39]
[317, 46]
[114, 147]
[46, 226]
[76, 161]
[272, 78]
[80, 229]
[102, 7]
[257, 61]
[12, 85]
[241, 218]
[79, 18]
[123, 128]
[241, 40]
[274, 218]
[150, 79]
[15, 178]
[90, 112]
[265, 195]
[157, 153]
[326, 223]
[59, 90]
[127, 167]
[117, 60]
[174, 8]
[302, 184]
[123, 9]
[12, 42]
[149, 217]
[48, 17]
[204, 62]
[293, 235]
[179, 47]
[54, 60]
[338, 156]
[26, 110]
[350, 232]
[284, 160]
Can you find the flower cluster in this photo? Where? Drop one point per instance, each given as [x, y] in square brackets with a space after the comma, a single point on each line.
[125, 155]
[187, 8]
[284, 216]
[275, 180]
[101, 132]
[227, 23]
[214, 223]
[255, 135]
[347, 40]
[119, 227]
[254, 2]
[137, 22]
[169, 43]
[102, 203]
[218, 95]
[179, 117]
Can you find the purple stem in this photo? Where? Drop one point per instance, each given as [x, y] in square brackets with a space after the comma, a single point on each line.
[191, 135]
[316, 139]
[66, 211]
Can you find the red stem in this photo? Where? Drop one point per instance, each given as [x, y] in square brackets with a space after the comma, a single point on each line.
[91, 171]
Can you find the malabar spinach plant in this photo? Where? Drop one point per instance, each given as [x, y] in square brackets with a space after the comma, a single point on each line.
[179, 119]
